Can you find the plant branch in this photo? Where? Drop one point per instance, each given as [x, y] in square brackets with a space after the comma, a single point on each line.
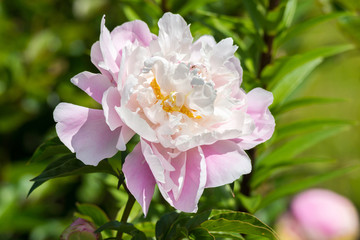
[265, 59]
[129, 204]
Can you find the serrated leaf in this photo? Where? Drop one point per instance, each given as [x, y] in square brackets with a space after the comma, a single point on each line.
[238, 222]
[125, 228]
[303, 102]
[288, 73]
[68, 165]
[266, 172]
[294, 187]
[292, 148]
[299, 28]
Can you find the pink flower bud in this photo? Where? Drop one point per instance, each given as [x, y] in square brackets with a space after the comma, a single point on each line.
[80, 229]
[319, 214]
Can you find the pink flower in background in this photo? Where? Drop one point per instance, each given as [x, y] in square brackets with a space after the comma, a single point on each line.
[319, 214]
[182, 97]
[80, 229]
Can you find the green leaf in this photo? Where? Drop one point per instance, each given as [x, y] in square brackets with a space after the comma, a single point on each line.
[291, 148]
[264, 173]
[68, 165]
[301, 27]
[303, 102]
[252, 8]
[303, 126]
[289, 12]
[97, 215]
[351, 25]
[193, 5]
[166, 227]
[294, 187]
[289, 72]
[250, 203]
[49, 149]
[200, 233]
[240, 223]
[125, 228]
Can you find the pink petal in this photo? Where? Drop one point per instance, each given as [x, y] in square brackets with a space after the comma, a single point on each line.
[85, 132]
[225, 162]
[194, 182]
[98, 60]
[139, 178]
[93, 84]
[111, 100]
[131, 31]
[258, 102]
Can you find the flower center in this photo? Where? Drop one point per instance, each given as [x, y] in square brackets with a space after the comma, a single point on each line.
[169, 103]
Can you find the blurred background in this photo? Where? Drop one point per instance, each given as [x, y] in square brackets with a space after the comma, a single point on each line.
[44, 43]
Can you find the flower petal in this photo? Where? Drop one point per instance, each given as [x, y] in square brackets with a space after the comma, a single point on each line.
[93, 84]
[194, 182]
[139, 178]
[85, 132]
[112, 99]
[225, 162]
[258, 102]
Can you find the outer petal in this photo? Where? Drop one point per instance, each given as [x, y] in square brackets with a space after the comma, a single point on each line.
[192, 181]
[139, 178]
[85, 132]
[225, 162]
[258, 102]
[93, 84]
[112, 99]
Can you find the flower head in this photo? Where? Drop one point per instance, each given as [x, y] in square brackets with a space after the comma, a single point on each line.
[80, 229]
[182, 97]
[319, 214]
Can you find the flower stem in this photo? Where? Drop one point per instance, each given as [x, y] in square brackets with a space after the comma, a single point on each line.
[265, 59]
[129, 204]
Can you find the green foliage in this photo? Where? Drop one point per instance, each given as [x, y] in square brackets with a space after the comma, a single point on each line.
[46, 44]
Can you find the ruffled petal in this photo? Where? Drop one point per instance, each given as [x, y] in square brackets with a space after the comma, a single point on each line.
[194, 182]
[174, 35]
[225, 162]
[93, 84]
[85, 132]
[258, 102]
[139, 178]
[107, 48]
[111, 100]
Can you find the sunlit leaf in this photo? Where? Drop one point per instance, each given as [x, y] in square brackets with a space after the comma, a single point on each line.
[297, 145]
[294, 187]
[304, 102]
[238, 222]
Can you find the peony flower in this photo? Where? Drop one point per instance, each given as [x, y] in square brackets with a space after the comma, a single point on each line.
[319, 214]
[80, 229]
[182, 97]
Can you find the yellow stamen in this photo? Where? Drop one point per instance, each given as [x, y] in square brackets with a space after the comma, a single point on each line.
[169, 102]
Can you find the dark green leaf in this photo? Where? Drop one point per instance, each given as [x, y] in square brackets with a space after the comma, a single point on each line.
[250, 203]
[68, 165]
[297, 186]
[49, 149]
[238, 222]
[125, 228]
[200, 234]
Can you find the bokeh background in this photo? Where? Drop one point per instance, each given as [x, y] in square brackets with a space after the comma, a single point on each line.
[44, 43]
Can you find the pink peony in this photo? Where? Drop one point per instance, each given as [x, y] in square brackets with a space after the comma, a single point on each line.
[182, 98]
[319, 214]
[80, 229]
